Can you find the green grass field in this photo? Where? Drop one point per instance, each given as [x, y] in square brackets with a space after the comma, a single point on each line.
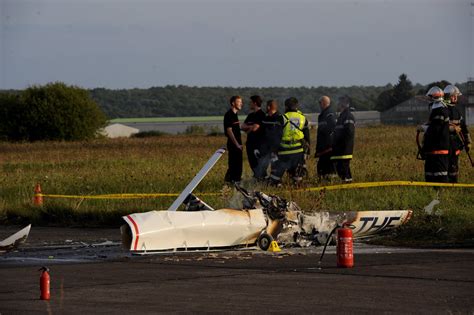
[167, 163]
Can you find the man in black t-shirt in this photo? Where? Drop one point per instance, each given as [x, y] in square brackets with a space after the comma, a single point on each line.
[253, 127]
[234, 141]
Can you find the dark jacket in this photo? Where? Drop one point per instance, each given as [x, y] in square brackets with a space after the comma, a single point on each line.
[326, 125]
[436, 139]
[456, 119]
[272, 130]
[343, 142]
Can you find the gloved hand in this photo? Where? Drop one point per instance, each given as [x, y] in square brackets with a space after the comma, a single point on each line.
[256, 153]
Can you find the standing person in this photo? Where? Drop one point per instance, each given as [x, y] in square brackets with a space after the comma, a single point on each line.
[326, 126]
[252, 126]
[234, 141]
[459, 136]
[294, 140]
[270, 140]
[343, 145]
[436, 143]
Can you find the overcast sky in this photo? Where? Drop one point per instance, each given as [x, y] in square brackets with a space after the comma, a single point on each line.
[126, 44]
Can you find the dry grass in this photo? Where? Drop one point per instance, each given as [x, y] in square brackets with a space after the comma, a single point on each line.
[167, 163]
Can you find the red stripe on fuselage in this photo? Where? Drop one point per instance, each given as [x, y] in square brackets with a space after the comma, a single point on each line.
[136, 232]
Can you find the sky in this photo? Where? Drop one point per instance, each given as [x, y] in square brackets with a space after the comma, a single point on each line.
[138, 44]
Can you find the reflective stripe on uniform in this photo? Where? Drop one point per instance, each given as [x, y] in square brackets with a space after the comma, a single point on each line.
[440, 117]
[300, 150]
[438, 152]
[274, 177]
[341, 157]
[436, 173]
[349, 121]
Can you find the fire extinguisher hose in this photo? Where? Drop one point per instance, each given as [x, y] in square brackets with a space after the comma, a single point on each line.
[330, 235]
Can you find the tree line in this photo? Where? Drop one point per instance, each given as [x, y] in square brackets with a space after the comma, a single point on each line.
[57, 111]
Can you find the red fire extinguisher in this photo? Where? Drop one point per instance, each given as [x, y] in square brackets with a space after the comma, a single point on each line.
[345, 250]
[44, 283]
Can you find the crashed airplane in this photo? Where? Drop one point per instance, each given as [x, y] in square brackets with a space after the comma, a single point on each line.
[264, 218]
[13, 241]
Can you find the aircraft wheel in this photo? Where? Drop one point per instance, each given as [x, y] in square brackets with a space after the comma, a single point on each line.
[264, 241]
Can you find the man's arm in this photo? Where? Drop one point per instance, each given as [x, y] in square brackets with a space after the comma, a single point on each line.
[231, 136]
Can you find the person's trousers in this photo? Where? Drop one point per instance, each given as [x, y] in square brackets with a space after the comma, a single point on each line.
[436, 168]
[252, 158]
[325, 166]
[234, 170]
[453, 166]
[343, 169]
[262, 166]
[293, 163]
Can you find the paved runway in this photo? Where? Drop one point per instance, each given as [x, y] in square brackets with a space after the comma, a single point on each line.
[110, 281]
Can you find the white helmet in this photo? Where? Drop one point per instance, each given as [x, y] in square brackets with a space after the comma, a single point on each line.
[435, 93]
[451, 90]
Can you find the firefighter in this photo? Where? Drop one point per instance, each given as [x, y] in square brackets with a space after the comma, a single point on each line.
[253, 127]
[271, 139]
[234, 141]
[326, 125]
[343, 143]
[435, 148]
[293, 145]
[459, 136]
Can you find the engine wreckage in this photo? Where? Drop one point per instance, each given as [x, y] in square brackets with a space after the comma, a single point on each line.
[263, 218]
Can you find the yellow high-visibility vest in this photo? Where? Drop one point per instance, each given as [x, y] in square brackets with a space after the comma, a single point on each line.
[293, 123]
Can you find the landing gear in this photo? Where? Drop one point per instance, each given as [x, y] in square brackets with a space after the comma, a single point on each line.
[264, 240]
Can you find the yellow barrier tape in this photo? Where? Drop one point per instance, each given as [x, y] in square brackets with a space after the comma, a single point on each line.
[385, 184]
[331, 187]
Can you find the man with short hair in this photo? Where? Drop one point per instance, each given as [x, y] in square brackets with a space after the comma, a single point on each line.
[234, 141]
[271, 139]
[343, 144]
[294, 142]
[326, 126]
[253, 127]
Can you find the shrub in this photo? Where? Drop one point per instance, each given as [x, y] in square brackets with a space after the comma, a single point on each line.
[55, 111]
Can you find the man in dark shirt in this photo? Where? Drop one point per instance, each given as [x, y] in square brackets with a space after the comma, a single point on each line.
[272, 130]
[326, 125]
[253, 127]
[234, 141]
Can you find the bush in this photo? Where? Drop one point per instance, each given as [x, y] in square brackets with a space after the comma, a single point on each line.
[55, 111]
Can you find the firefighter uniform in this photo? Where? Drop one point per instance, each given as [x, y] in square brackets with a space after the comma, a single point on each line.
[326, 125]
[436, 144]
[456, 140]
[343, 144]
[270, 143]
[295, 136]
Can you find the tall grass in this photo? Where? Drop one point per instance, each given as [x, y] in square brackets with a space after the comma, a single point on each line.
[167, 163]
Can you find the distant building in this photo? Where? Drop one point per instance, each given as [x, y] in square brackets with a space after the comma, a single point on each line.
[415, 111]
[119, 130]
[411, 112]
[469, 106]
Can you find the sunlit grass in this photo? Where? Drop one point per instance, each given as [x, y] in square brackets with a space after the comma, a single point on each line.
[168, 163]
